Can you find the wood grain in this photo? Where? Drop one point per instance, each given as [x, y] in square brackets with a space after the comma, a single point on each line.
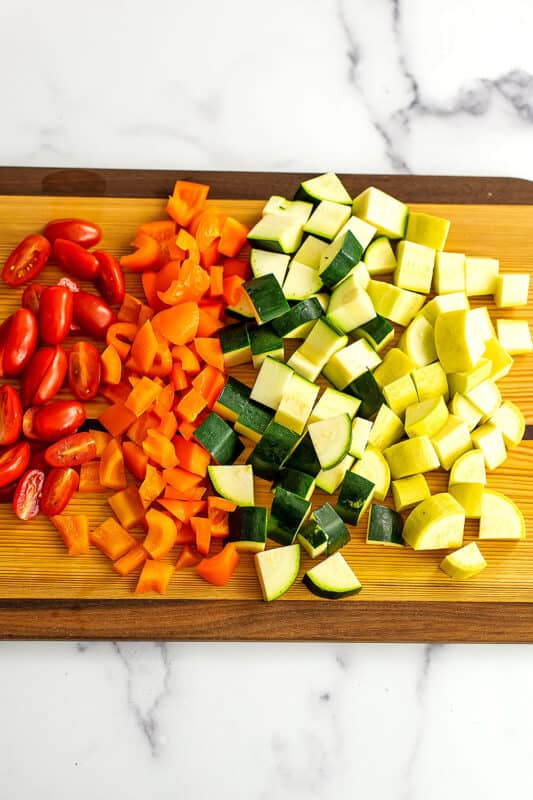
[46, 594]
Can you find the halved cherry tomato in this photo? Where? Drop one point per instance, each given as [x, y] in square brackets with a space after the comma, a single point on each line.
[27, 260]
[76, 261]
[110, 281]
[55, 314]
[26, 499]
[84, 370]
[57, 419]
[31, 297]
[10, 415]
[44, 375]
[27, 422]
[18, 339]
[59, 486]
[80, 231]
[71, 451]
[13, 462]
[92, 315]
[146, 255]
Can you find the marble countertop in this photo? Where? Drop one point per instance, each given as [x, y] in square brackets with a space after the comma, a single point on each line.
[353, 86]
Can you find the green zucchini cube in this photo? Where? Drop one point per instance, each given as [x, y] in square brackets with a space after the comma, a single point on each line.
[354, 498]
[235, 344]
[221, 441]
[267, 298]
[248, 528]
[271, 451]
[287, 515]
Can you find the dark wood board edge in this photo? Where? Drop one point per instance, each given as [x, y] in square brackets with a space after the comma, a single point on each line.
[256, 185]
[239, 620]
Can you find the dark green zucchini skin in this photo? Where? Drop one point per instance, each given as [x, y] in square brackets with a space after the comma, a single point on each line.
[271, 451]
[267, 298]
[333, 526]
[348, 256]
[221, 441]
[304, 311]
[366, 388]
[232, 399]
[353, 497]
[325, 593]
[385, 525]
[286, 516]
[304, 458]
[295, 481]
[248, 525]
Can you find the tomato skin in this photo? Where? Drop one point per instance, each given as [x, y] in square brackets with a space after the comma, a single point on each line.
[18, 340]
[27, 260]
[37, 459]
[13, 462]
[110, 282]
[79, 231]
[57, 419]
[92, 314]
[31, 297]
[43, 376]
[55, 314]
[10, 415]
[59, 486]
[75, 261]
[84, 370]
[26, 498]
[71, 451]
[28, 419]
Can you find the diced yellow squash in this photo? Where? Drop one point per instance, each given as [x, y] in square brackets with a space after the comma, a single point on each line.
[435, 524]
[486, 397]
[469, 495]
[407, 492]
[483, 322]
[395, 304]
[426, 418]
[469, 468]
[480, 275]
[463, 408]
[443, 303]
[511, 289]
[415, 266]
[500, 517]
[386, 430]
[449, 272]
[462, 382]
[458, 343]
[374, 467]
[510, 421]
[501, 361]
[514, 335]
[395, 364]
[411, 456]
[451, 441]
[430, 381]
[464, 563]
[418, 341]
[488, 438]
[427, 229]
[400, 394]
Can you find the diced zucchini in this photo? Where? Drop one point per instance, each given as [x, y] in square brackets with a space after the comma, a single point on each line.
[408, 492]
[271, 451]
[331, 439]
[221, 441]
[427, 229]
[469, 495]
[330, 524]
[464, 563]
[435, 523]
[374, 468]
[281, 233]
[418, 342]
[270, 382]
[323, 187]
[489, 439]
[232, 399]
[349, 306]
[441, 303]
[360, 274]
[395, 364]
[449, 273]
[397, 305]
[514, 335]
[267, 298]
[411, 456]
[379, 257]
[500, 517]
[501, 361]
[426, 418]
[462, 382]
[319, 346]
[253, 421]
[332, 579]
[350, 362]
[248, 528]
[354, 498]
[298, 321]
[287, 515]
[386, 430]
[363, 232]
[451, 441]
[480, 275]
[329, 480]
[430, 381]
[378, 332]
[294, 208]
[367, 391]
[264, 341]
[510, 421]
[332, 403]
[241, 310]
[301, 282]
[360, 434]
[310, 252]
[327, 219]
[385, 526]
[486, 397]
[296, 403]
[457, 340]
[304, 458]
[469, 468]
[511, 289]
[277, 569]
[463, 408]
[234, 482]
[313, 539]
[400, 394]
[483, 322]
[292, 480]
[415, 266]
[339, 258]
[264, 262]
[235, 344]
[386, 213]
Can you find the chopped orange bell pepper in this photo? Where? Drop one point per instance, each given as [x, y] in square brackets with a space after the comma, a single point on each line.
[216, 309]
[164, 401]
[90, 478]
[160, 450]
[232, 290]
[112, 539]
[145, 313]
[190, 405]
[121, 335]
[144, 347]
[160, 229]
[149, 284]
[111, 365]
[187, 429]
[112, 470]
[138, 430]
[187, 558]
[155, 577]
[185, 535]
[127, 506]
[196, 493]
[151, 487]
[142, 396]
[117, 419]
[167, 275]
[237, 266]
[135, 459]
[179, 324]
[188, 358]
[233, 237]
[219, 569]
[188, 243]
[146, 256]
[74, 530]
[202, 529]
[187, 200]
[191, 456]
[114, 394]
[129, 310]
[209, 383]
[179, 378]
[101, 439]
[161, 536]
[210, 256]
[207, 227]
[220, 503]
[219, 523]
[217, 277]
[162, 364]
[181, 478]
[208, 324]
[183, 509]
[131, 561]
[210, 351]
[168, 425]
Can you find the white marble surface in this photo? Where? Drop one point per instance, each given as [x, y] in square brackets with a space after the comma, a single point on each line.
[381, 85]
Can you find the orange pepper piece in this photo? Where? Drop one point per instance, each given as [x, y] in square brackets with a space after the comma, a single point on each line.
[160, 449]
[129, 310]
[168, 425]
[183, 510]
[155, 577]
[187, 200]
[237, 266]
[147, 253]
[210, 256]
[149, 284]
[219, 569]
[187, 558]
[160, 229]
[142, 396]
[185, 241]
[144, 347]
[210, 351]
[74, 530]
[167, 275]
[232, 289]
[208, 227]
[112, 539]
[208, 324]
[190, 405]
[90, 478]
[127, 506]
[112, 471]
[121, 335]
[151, 487]
[178, 378]
[187, 429]
[196, 493]
[185, 535]
[220, 503]
[202, 529]
[117, 419]
[135, 459]
[111, 365]
[145, 313]
[181, 478]
[209, 383]
[219, 523]
[216, 277]
[187, 356]
[161, 536]
[233, 237]
[179, 324]
[164, 401]
[130, 561]
[138, 430]
[192, 456]
[101, 439]
[114, 394]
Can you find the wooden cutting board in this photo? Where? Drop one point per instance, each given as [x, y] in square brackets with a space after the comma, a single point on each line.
[44, 593]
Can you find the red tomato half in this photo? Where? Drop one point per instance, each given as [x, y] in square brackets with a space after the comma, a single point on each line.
[92, 315]
[55, 314]
[75, 261]
[26, 498]
[84, 370]
[27, 260]
[57, 420]
[18, 339]
[10, 415]
[13, 462]
[80, 231]
[44, 375]
[110, 281]
[71, 451]
[59, 486]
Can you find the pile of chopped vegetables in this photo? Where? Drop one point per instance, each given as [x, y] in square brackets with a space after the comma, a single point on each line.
[167, 444]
